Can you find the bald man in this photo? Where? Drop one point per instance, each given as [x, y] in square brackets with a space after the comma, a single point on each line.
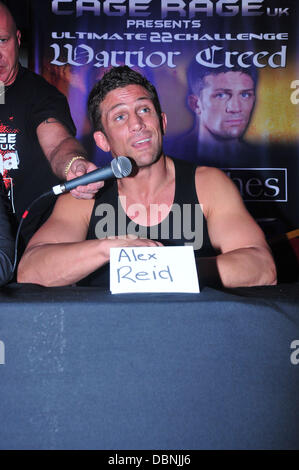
[37, 144]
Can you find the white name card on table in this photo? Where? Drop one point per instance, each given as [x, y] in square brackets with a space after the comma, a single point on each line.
[153, 269]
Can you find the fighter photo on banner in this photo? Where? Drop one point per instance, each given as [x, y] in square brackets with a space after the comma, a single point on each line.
[226, 72]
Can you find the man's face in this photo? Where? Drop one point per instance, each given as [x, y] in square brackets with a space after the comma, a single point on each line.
[225, 105]
[132, 126]
[9, 48]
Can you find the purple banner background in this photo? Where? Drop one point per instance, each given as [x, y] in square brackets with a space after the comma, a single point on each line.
[74, 42]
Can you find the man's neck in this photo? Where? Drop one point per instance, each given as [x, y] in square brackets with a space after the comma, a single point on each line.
[12, 79]
[147, 181]
[153, 188]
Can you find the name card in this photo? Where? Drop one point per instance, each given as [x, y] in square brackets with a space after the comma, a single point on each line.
[153, 269]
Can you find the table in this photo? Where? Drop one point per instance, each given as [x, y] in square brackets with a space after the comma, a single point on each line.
[85, 369]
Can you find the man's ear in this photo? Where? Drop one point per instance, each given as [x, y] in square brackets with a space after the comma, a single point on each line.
[194, 104]
[101, 141]
[19, 37]
[164, 122]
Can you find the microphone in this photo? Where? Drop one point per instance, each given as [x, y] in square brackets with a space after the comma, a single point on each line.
[120, 167]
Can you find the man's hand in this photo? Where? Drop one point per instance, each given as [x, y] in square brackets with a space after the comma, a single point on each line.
[78, 168]
[126, 241]
[60, 147]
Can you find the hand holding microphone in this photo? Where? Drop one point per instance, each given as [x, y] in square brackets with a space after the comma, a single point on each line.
[79, 166]
[120, 167]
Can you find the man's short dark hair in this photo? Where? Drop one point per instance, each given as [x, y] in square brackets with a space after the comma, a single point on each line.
[196, 75]
[118, 77]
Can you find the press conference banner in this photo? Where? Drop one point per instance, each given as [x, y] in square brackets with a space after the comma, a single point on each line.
[226, 71]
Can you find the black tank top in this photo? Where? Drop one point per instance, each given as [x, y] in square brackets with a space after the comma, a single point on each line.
[109, 219]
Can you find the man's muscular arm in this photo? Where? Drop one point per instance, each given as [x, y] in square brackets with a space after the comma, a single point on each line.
[60, 147]
[245, 258]
[59, 254]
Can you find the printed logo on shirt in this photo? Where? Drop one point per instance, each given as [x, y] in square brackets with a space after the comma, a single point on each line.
[9, 158]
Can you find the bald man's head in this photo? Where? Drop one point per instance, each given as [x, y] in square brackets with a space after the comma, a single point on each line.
[10, 38]
[4, 10]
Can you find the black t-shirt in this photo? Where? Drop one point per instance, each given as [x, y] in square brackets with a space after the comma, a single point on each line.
[29, 101]
[6, 237]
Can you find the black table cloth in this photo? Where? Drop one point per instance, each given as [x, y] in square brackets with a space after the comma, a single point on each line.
[85, 369]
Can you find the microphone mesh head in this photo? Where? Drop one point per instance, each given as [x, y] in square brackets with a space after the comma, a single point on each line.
[121, 167]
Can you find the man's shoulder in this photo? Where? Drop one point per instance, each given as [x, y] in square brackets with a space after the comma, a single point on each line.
[31, 79]
[210, 171]
[215, 189]
[211, 176]
[40, 100]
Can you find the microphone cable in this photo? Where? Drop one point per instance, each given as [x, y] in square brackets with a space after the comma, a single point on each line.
[48, 193]
[120, 167]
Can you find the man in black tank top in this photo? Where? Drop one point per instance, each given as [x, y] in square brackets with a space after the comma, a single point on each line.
[73, 246]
